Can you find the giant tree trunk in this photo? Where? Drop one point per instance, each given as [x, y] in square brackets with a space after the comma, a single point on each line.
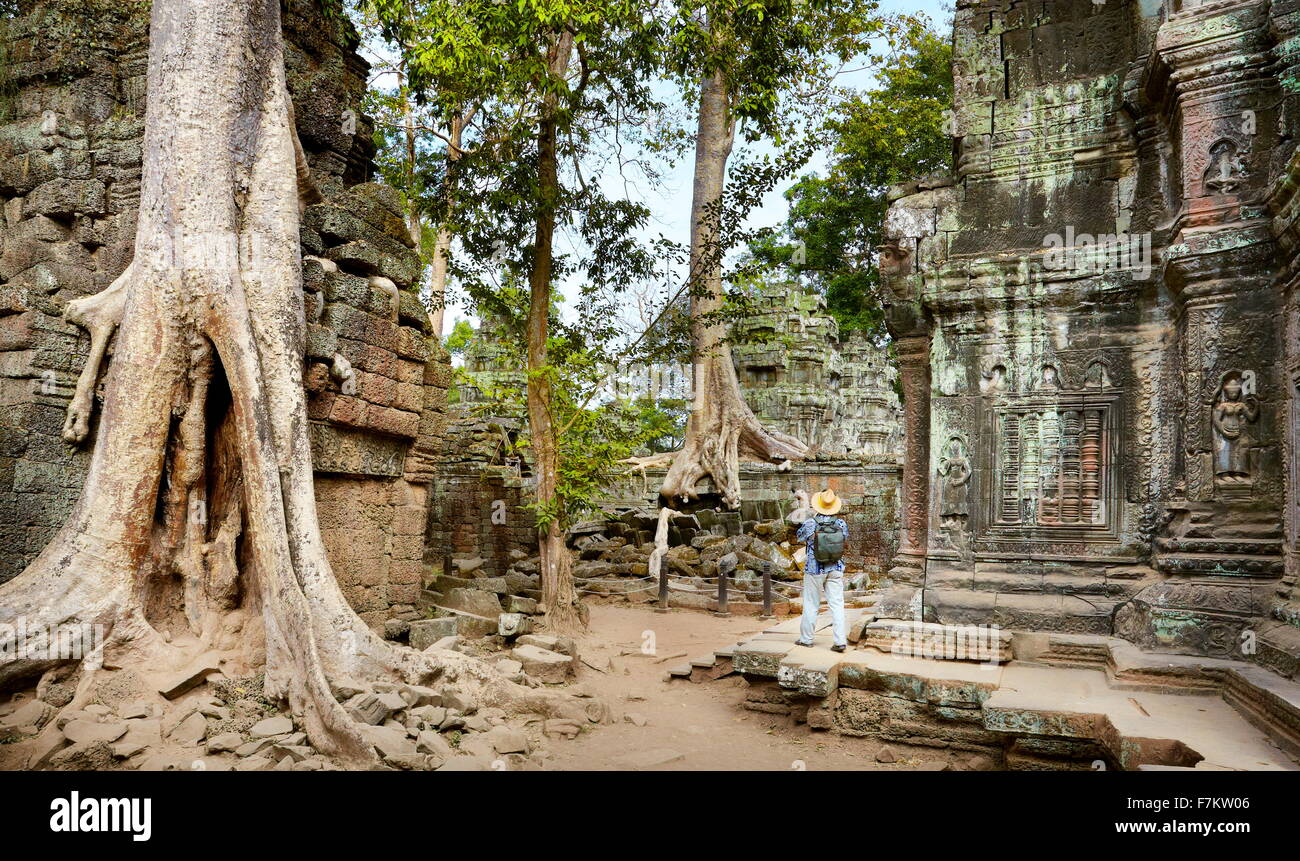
[722, 428]
[196, 531]
[558, 592]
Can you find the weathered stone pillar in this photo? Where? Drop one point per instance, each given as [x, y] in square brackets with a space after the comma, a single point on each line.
[914, 373]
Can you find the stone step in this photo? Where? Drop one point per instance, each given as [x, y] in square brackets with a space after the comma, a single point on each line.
[1040, 611]
[444, 583]
[809, 671]
[1268, 701]
[1279, 646]
[1134, 728]
[1088, 651]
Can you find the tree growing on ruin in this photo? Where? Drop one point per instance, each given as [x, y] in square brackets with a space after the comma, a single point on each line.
[740, 61]
[196, 533]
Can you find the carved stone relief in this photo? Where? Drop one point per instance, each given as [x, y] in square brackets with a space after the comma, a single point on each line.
[1235, 409]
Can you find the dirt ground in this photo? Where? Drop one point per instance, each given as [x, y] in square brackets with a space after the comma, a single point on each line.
[702, 724]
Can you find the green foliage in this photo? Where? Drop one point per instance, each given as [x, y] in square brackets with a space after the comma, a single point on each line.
[595, 432]
[881, 137]
[461, 335]
[493, 62]
[768, 51]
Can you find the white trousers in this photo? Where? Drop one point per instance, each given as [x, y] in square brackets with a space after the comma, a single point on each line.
[813, 588]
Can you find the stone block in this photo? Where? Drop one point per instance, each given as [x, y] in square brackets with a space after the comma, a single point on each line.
[425, 632]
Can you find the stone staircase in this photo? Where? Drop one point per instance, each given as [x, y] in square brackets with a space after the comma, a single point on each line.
[1049, 702]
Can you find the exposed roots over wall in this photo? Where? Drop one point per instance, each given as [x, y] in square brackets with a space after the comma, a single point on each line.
[195, 538]
[722, 430]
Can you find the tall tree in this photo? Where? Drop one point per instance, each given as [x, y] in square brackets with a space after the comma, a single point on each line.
[201, 465]
[547, 79]
[738, 58]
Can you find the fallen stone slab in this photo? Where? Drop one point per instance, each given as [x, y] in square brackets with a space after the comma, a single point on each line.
[561, 727]
[189, 732]
[433, 743]
[368, 708]
[467, 763]
[252, 747]
[468, 566]
[137, 710]
[563, 645]
[496, 585]
[543, 664]
[509, 666]
[172, 685]
[470, 626]
[520, 604]
[478, 745]
[145, 732]
[126, 749]
[388, 742]
[87, 732]
[472, 601]
[506, 739]
[513, 624]
[34, 713]
[45, 747]
[418, 695]
[226, 741]
[277, 725]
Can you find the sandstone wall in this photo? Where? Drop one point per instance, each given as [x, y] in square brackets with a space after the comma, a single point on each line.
[479, 500]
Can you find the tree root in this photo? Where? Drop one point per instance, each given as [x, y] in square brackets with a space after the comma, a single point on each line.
[722, 431]
[99, 315]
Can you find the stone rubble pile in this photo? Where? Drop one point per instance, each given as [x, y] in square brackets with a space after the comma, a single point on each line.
[612, 558]
[229, 725]
[471, 605]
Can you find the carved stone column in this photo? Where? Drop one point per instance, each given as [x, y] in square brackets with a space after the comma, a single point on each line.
[914, 372]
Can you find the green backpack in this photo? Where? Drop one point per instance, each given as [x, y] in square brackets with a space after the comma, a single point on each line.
[828, 541]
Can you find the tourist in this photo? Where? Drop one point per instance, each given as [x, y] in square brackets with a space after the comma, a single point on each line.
[824, 535]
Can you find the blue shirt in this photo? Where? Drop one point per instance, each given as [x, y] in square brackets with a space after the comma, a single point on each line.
[808, 535]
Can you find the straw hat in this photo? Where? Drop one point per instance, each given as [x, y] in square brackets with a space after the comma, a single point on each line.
[827, 502]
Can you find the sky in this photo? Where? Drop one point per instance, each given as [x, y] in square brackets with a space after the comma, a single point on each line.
[670, 201]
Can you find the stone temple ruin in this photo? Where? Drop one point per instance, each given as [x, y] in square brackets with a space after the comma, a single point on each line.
[1097, 332]
[1097, 337]
[799, 377]
[1088, 486]
[795, 372]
